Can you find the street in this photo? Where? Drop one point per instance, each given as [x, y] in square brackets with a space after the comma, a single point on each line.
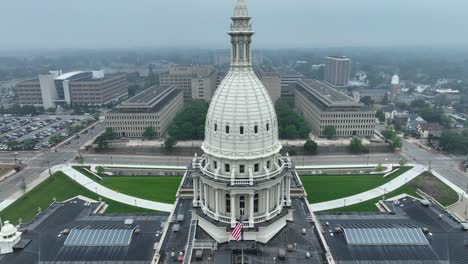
[36, 162]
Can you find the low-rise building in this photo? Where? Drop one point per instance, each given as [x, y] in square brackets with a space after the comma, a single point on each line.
[181, 77]
[322, 106]
[81, 87]
[426, 129]
[376, 95]
[271, 80]
[288, 78]
[413, 122]
[154, 107]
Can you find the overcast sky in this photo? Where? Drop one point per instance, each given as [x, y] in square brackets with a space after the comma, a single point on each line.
[38, 24]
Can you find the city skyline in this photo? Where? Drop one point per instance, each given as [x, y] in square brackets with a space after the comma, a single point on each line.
[299, 23]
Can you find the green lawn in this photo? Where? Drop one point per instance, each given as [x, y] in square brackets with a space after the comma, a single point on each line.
[426, 182]
[322, 188]
[369, 206]
[5, 169]
[155, 188]
[62, 188]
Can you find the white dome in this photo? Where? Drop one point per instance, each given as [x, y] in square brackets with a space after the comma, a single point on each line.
[8, 230]
[241, 121]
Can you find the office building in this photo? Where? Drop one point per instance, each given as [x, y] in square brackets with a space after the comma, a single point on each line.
[154, 107]
[181, 77]
[81, 87]
[204, 84]
[322, 106]
[288, 76]
[337, 71]
[271, 80]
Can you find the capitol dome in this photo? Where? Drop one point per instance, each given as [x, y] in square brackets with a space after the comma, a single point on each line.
[241, 120]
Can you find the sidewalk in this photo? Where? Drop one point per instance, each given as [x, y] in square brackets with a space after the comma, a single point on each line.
[371, 194]
[113, 195]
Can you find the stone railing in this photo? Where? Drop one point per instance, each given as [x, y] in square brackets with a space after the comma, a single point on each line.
[283, 163]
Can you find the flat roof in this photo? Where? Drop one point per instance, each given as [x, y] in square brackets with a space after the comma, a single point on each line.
[443, 241]
[338, 57]
[68, 75]
[327, 94]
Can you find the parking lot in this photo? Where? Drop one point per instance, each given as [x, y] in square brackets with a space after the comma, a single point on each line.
[34, 133]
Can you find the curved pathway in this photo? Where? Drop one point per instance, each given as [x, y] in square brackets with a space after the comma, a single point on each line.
[371, 194]
[111, 194]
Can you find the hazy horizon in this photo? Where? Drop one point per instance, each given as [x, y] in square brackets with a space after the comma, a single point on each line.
[124, 24]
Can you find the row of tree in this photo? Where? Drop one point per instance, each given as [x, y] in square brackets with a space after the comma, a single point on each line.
[291, 125]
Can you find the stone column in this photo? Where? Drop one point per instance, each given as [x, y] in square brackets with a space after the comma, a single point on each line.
[216, 200]
[251, 210]
[282, 192]
[267, 208]
[288, 191]
[233, 210]
[278, 193]
[205, 195]
[195, 192]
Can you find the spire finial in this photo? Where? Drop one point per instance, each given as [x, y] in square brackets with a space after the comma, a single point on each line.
[241, 9]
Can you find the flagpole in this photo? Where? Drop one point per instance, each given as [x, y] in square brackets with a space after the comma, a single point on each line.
[242, 236]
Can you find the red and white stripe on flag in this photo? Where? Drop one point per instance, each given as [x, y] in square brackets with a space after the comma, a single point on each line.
[237, 231]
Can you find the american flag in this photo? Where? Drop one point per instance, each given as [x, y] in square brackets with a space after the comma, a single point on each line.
[237, 231]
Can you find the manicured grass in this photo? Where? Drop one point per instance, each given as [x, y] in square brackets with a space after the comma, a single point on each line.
[5, 169]
[155, 188]
[369, 206]
[62, 188]
[426, 182]
[434, 187]
[322, 188]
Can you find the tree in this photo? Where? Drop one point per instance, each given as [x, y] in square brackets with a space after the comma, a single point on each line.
[385, 100]
[388, 132]
[395, 142]
[100, 170]
[402, 162]
[310, 146]
[417, 104]
[149, 133]
[367, 100]
[291, 125]
[329, 132]
[356, 145]
[169, 143]
[102, 143]
[190, 122]
[380, 115]
[379, 167]
[50, 110]
[441, 100]
[81, 159]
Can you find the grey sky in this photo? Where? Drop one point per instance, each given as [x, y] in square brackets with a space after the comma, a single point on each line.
[203, 23]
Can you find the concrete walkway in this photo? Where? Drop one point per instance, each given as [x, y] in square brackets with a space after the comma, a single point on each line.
[371, 194]
[113, 195]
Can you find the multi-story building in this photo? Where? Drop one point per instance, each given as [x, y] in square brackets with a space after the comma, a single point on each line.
[181, 77]
[98, 91]
[204, 84]
[83, 87]
[154, 107]
[337, 71]
[394, 88]
[288, 77]
[322, 106]
[271, 80]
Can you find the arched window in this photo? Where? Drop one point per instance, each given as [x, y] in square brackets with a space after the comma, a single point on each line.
[242, 202]
[256, 203]
[268, 164]
[241, 130]
[268, 127]
[228, 203]
[255, 129]
[215, 127]
[227, 129]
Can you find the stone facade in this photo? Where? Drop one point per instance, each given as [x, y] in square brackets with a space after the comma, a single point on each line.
[323, 106]
[155, 107]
